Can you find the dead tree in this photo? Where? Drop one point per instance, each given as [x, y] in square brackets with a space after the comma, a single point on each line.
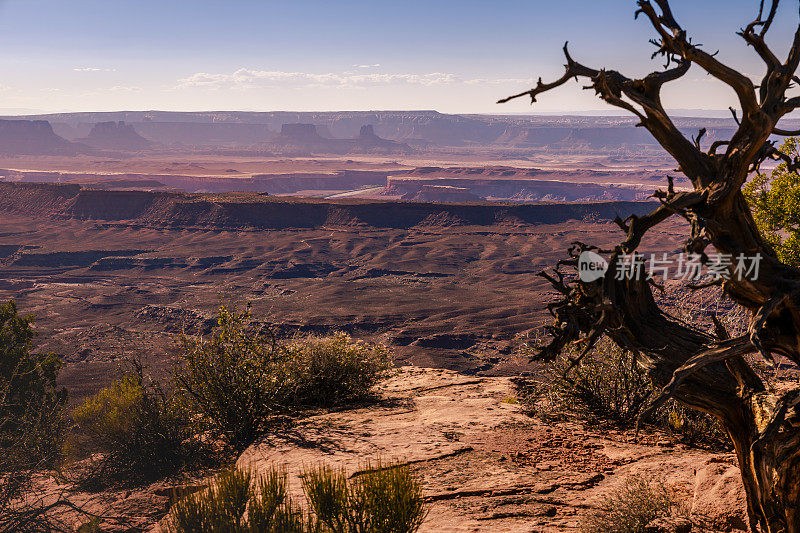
[704, 371]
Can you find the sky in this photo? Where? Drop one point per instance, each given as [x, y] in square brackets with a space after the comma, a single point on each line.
[318, 55]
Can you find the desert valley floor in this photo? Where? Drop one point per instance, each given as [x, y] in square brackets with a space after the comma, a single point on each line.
[445, 286]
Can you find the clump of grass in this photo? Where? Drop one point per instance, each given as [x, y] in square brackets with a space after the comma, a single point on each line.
[383, 499]
[235, 503]
[634, 505]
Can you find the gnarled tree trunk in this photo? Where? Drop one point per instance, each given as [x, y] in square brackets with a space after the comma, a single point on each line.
[702, 371]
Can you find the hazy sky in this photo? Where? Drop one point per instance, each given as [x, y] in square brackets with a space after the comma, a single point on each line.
[452, 56]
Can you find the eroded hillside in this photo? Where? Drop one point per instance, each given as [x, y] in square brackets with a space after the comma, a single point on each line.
[112, 273]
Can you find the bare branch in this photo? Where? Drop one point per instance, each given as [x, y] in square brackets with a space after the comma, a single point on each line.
[756, 40]
[674, 42]
[735, 117]
[785, 133]
[575, 70]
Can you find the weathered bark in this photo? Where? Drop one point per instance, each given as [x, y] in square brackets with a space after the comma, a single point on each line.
[705, 372]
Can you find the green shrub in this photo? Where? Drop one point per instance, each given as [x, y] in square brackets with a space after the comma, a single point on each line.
[237, 379]
[31, 423]
[141, 430]
[380, 500]
[243, 381]
[31, 404]
[775, 202]
[634, 505]
[329, 371]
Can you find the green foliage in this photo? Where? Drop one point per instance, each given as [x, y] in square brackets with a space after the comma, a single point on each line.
[634, 505]
[329, 371]
[31, 423]
[242, 380]
[31, 404]
[775, 202]
[237, 378]
[380, 500]
[141, 429]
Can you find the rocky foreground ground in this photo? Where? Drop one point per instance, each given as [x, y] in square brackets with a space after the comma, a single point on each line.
[486, 465]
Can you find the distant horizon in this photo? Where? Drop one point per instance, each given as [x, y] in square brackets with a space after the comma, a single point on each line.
[611, 112]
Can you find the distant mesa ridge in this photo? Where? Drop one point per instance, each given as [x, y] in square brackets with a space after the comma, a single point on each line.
[116, 136]
[34, 137]
[418, 129]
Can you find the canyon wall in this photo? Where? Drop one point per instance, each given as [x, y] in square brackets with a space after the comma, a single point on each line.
[253, 211]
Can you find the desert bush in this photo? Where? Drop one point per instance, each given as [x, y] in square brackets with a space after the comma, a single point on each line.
[31, 404]
[380, 500]
[629, 509]
[31, 422]
[693, 427]
[606, 386]
[237, 378]
[330, 371]
[244, 381]
[609, 387]
[141, 429]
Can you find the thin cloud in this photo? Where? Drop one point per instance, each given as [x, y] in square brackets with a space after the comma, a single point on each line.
[254, 79]
[376, 65]
[94, 69]
[122, 88]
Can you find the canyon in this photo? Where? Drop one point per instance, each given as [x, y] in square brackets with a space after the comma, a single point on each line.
[123, 232]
